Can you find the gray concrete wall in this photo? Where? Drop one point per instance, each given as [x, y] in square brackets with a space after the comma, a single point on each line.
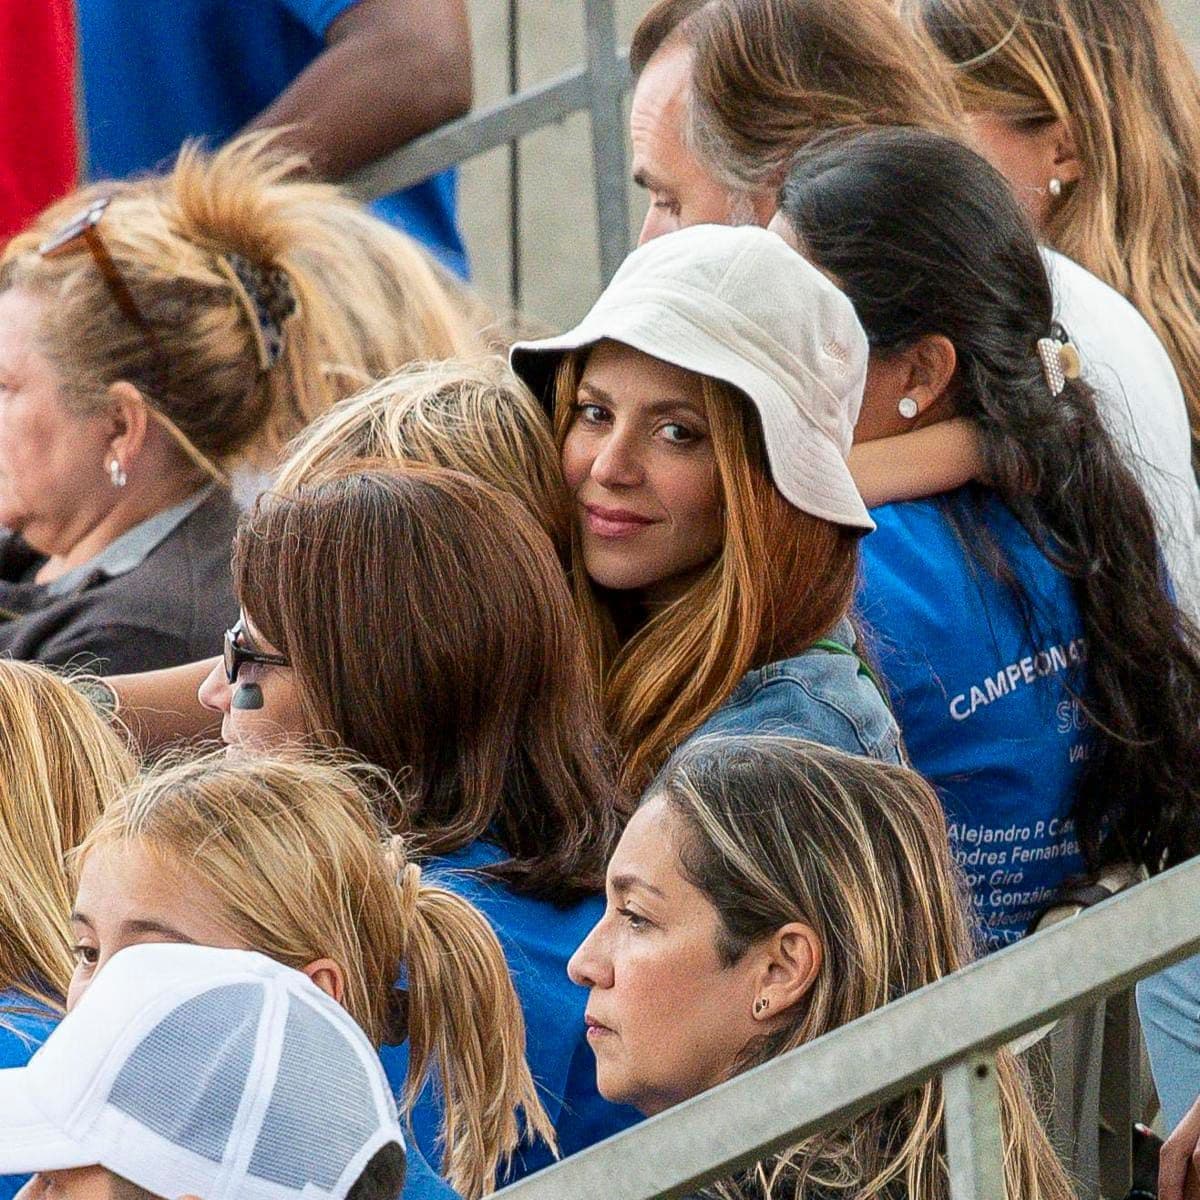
[559, 260]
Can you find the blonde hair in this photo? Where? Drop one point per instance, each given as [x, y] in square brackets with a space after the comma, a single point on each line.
[367, 298]
[783, 830]
[781, 580]
[60, 762]
[297, 859]
[1117, 76]
[472, 416]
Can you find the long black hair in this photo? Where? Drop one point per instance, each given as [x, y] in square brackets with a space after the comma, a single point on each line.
[925, 237]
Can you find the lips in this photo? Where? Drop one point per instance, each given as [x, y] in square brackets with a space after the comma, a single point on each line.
[595, 1029]
[615, 522]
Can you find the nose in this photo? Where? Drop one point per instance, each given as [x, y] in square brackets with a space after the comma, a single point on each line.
[591, 966]
[617, 463]
[215, 691]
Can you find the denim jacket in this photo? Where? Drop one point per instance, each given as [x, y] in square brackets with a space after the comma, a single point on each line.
[821, 695]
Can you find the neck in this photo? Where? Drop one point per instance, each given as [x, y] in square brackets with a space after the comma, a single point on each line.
[94, 532]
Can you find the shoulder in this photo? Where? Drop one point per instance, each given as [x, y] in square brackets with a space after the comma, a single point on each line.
[818, 695]
[24, 1026]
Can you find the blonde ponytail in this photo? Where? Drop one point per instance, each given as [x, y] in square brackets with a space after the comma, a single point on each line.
[366, 299]
[465, 1021]
[291, 857]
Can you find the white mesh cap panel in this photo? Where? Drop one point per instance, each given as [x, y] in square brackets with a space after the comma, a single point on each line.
[185, 1079]
[328, 1112]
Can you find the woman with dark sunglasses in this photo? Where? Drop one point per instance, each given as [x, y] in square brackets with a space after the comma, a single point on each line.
[152, 336]
[465, 680]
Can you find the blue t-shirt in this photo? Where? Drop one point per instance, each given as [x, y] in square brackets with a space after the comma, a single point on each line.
[982, 701]
[538, 938]
[156, 73]
[24, 1026]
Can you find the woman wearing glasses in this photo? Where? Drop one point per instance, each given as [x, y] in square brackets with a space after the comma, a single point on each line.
[466, 682]
[152, 335]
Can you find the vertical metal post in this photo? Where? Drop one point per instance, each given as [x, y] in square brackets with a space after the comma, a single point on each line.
[606, 75]
[514, 162]
[1120, 1094]
[974, 1138]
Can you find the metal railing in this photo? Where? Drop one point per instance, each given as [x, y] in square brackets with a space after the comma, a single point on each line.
[597, 88]
[952, 1029]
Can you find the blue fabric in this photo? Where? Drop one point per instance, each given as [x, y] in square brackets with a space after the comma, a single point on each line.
[421, 1181]
[155, 74]
[820, 695]
[982, 700]
[538, 938]
[1169, 1005]
[24, 1026]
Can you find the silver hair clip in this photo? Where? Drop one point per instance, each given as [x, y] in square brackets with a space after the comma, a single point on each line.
[1060, 359]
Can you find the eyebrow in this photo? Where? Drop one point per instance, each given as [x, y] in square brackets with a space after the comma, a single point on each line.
[625, 883]
[139, 926]
[644, 179]
[654, 408]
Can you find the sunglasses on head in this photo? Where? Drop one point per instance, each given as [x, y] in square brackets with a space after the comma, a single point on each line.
[237, 653]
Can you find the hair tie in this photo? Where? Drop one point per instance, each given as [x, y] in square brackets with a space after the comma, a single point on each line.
[266, 296]
[1060, 359]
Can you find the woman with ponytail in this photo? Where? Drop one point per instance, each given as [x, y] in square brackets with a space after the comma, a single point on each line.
[291, 860]
[421, 620]
[153, 335]
[1044, 679]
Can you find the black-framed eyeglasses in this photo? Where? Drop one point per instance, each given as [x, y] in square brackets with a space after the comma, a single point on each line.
[237, 653]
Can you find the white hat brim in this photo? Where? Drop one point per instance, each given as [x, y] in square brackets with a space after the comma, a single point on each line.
[28, 1141]
[806, 464]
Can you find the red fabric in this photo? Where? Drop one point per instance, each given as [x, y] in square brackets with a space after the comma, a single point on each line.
[38, 147]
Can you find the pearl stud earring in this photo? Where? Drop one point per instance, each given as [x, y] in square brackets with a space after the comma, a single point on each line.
[908, 408]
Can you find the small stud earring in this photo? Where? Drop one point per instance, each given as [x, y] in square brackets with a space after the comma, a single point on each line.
[117, 474]
[908, 408]
[760, 1006]
[1055, 187]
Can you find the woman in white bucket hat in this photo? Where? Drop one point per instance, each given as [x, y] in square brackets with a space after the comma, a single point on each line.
[704, 409]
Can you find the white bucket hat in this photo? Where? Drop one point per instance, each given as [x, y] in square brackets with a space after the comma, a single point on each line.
[739, 305]
[215, 1073]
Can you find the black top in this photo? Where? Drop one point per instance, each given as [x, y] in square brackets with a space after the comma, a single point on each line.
[159, 608]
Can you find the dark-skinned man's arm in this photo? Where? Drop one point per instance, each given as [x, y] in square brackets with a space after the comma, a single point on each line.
[391, 70]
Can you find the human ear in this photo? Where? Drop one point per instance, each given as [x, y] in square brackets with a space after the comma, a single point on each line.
[932, 361]
[129, 418]
[328, 976]
[791, 961]
[1068, 168]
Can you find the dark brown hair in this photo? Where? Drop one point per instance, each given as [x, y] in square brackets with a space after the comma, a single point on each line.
[904, 219]
[430, 628]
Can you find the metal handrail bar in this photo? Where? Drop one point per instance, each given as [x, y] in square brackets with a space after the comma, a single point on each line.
[890, 1051]
[598, 88]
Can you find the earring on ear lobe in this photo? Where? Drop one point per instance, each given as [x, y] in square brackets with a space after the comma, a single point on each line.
[1055, 187]
[908, 408]
[760, 1006]
[117, 473]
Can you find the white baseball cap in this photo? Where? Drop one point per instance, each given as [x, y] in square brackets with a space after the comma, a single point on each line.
[216, 1073]
[740, 305]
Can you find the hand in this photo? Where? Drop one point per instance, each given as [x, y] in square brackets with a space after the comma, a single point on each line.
[1179, 1160]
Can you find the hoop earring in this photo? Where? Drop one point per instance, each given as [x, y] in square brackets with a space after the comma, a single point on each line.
[908, 408]
[1055, 187]
[117, 473]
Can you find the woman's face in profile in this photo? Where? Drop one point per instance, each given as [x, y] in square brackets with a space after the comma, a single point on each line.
[638, 461]
[261, 709]
[666, 1017]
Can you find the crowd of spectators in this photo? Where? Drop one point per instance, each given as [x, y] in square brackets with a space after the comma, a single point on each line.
[422, 758]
